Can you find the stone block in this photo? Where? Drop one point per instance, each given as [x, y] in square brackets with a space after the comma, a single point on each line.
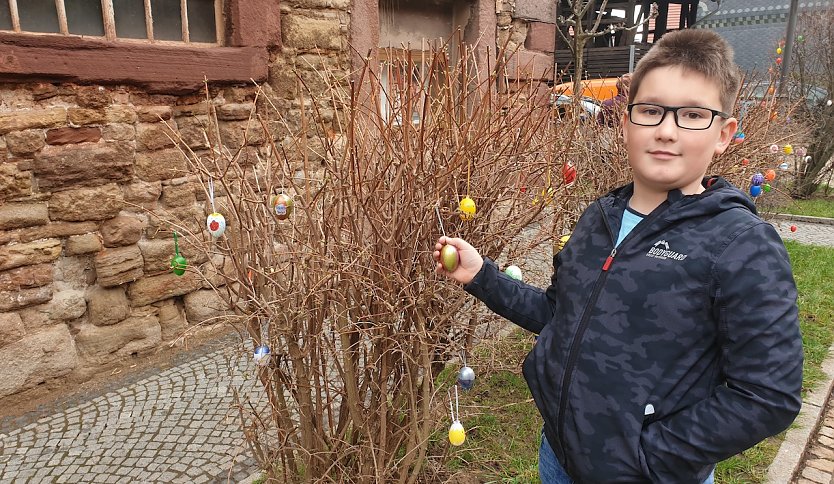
[535, 10]
[308, 33]
[36, 358]
[120, 114]
[235, 134]
[236, 112]
[52, 230]
[167, 285]
[161, 165]
[154, 114]
[142, 193]
[92, 96]
[171, 319]
[20, 298]
[20, 119]
[24, 143]
[155, 136]
[26, 277]
[214, 270]
[526, 65]
[82, 244]
[14, 182]
[121, 230]
[60, 167]
[205, 306]
[67, 305]
[138, 333]
[186, 220]
[43, 91]
[107, 306]
[85, 116]
[31, 253]
[19, 215]
[119, 132]
[540, 37]
[75, 272]
[118, 266]
[11, 328]
[66, 136]
[178, 194]
[83, 204]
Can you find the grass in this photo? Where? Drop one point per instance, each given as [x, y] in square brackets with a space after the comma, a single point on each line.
[504, 426]
[820, 205]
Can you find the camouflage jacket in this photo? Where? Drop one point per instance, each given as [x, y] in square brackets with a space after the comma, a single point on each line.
[669, 354]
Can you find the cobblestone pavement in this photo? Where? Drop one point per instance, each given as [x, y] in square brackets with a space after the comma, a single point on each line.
[806, 233]
[176, 426]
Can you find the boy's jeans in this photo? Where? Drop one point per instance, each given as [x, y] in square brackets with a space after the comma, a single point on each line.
[551, 471]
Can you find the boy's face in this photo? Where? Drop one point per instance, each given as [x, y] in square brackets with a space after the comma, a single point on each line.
[666, 157]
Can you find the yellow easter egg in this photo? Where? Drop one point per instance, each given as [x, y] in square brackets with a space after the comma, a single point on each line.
[788, 149]
[467, 209]
[457, 434]
[563, 240]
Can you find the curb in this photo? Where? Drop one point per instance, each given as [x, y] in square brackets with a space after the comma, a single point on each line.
[801, 218]
[799, 439]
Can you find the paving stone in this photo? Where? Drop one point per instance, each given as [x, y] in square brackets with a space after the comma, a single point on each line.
[821, 464]
[816, 475]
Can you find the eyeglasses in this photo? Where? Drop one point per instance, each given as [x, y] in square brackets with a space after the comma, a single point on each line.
[686, 117]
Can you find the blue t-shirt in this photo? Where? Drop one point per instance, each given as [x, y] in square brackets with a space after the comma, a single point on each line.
[630, 220]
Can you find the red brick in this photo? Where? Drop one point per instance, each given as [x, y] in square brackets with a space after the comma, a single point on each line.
[63, 136]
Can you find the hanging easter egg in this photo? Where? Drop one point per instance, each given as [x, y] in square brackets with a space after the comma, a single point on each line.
[745, 162]
[783, 166]
[568, 173]
[216, 224]
[774, 148]
[771, 90]
[739, 138]
[779, 50]
[779, 61]
[766, 187]
[793, 228]
[467, 209]
[457, 434]
[757, 179]
[770, 175]
[514, 272]
[563, 240]
[282, 205]
[787, 149]
[523, 189]
[178, 265]
[261, 355]
[449, 257]
[466, 378]
[828, 103]
[800, 38]
[801, 151]
[755, 190]
[807, 159]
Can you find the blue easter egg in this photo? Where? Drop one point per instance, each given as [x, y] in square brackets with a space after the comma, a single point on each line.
[466, 378]
[756, 190]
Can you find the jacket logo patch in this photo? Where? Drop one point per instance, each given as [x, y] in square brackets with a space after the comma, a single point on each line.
[660, 250]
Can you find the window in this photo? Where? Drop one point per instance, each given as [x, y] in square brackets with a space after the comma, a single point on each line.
[188, 21]
[404, 82]
[166, 46]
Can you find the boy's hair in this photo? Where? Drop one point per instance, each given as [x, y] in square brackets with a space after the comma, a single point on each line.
[697, 50]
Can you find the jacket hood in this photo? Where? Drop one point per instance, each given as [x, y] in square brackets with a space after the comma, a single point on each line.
[719, 195]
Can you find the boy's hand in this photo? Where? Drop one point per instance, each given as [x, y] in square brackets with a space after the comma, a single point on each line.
[470, 260]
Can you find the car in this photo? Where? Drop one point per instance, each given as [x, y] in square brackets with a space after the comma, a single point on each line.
[756, 91]
[590, 107]
[598, 89]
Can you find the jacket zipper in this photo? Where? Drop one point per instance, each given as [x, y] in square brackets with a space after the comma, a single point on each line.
[573, 354]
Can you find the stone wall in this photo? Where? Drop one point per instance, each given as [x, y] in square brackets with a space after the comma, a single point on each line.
[90, 173]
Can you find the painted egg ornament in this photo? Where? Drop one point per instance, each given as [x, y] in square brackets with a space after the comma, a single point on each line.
[523, 189]
[467, 209]
[787, 149]
[783, 166]
[178, 265]
[793, 228]
[514, 272]
[770, 175]
[466, 378]
[779, 61]
[757, 179]
[801, 151]
[779, 50]
[828, 103]
[745, 162]
[457, 434]
[808, 159]
[261, 355]
[739, 138]
[774, 148]
[449, 258]
[766, 187]
[800, 38]
[755, 190]
[282, 205]
[216, 224]
[569, 173]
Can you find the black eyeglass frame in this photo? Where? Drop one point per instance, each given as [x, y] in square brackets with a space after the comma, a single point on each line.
[674, 111]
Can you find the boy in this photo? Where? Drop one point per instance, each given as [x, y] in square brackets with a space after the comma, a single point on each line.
[668, 338]
[611, 108]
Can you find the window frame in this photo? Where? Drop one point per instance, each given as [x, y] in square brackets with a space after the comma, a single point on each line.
[248, 29]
